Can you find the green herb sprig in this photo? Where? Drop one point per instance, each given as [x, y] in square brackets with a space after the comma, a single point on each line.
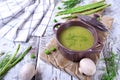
[112, 67]
[70, 3]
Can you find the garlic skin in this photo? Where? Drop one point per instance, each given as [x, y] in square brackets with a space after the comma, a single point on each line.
[27, 72]
[87, 66]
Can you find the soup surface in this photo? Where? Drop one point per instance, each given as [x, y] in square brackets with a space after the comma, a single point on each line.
[76, 38]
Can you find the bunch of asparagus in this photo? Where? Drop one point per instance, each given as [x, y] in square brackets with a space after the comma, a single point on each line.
[85, 10]
[13, 60]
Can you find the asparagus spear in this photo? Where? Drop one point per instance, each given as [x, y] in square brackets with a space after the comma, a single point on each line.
[11, 59]
[4, 61]
[10, 65]
[88, 12]
[21, 56]
[81, 8]
[95, 10]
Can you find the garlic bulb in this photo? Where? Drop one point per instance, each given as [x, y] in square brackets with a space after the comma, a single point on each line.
[87, 67]
[27, 72]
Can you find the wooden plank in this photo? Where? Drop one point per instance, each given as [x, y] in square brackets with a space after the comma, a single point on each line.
[53, 73]
[100, 63]
[11, 46]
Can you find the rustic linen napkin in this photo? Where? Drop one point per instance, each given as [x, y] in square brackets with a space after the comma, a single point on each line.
[40, 30]
[10, 8]
[19, 18]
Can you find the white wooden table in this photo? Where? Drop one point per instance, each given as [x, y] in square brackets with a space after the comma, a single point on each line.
[48, 72]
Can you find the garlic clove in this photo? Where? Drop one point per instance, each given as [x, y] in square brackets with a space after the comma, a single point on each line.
[27, 72]
[87, 67]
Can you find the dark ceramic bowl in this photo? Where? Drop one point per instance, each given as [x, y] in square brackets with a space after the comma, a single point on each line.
[71, 54]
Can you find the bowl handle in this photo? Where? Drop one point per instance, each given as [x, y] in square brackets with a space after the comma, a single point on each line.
[56, 26]
[97, 48]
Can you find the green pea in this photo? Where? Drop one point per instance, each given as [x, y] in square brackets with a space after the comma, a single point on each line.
[98, 18]
[32, 56]
[55, 20]
[46, 51]
[59, 8]
[52, 49]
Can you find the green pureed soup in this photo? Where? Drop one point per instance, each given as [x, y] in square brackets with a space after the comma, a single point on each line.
[76, 38]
